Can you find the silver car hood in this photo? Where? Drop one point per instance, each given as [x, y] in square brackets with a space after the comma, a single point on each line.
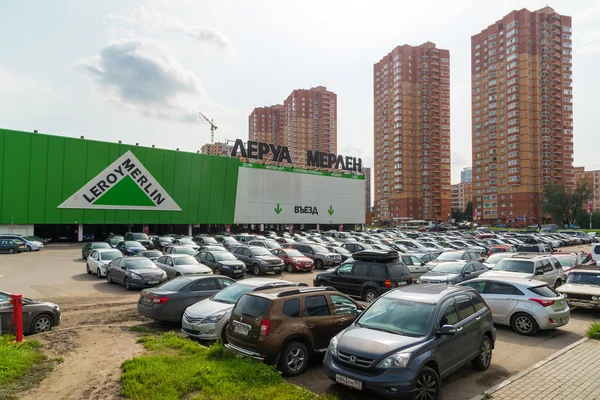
[194, 269]
[576, 288]
[208, 307]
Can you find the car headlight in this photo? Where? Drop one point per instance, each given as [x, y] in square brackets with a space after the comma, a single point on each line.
[332, 349]
[398, 360]
[211, 319]
[135, 276]
[595, 298]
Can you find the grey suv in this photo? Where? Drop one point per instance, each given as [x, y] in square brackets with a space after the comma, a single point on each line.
[411, 338]
[319, 254]
[544, 268]
[258, 259]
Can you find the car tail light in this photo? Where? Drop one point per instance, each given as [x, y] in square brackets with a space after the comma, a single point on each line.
[542, 302]
[160, 300]
[265, 327]
[388, 284]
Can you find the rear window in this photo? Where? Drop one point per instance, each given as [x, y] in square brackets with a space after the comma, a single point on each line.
[174, 284]
[397, 270]
[544, 291]
[139, 236]
[152, 254]
[522, 266]
[252, 306]
[528, 249]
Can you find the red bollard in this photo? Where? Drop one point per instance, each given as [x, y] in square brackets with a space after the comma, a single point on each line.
[17, 301]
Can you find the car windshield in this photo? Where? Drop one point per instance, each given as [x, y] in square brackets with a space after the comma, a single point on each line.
[223, 256]
[232, 293]
[165, 240]
[110, 255]
[259, 251]
[139, 236]
[174, 285]
[494, 258]
[34, 239]
[187, 260]
[229, 240]
[139, 263]
[133, 244]
[566, 261]
[271, 244]
[187, 242]
[450, 256]
[152, 253]
[341, 250]
[522, 266]
[186, 250]
[448, 268]
[320, 249]
[397, 316]
[584, 278]
[100, 245]
[293, 253]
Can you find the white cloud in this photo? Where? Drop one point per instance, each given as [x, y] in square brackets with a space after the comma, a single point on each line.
[142, 76]
[155, 19]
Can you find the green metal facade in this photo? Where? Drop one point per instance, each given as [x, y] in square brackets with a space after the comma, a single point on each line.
[38, 172]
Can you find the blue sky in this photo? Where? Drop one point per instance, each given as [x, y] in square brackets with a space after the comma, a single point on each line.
[138, 71]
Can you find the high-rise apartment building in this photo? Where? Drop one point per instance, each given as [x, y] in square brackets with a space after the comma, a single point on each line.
[592, 180]
[466, 175]
[367, 172]
[216, 149]
[412, 134]
[461, 195]
[307, 120]
[522, 110]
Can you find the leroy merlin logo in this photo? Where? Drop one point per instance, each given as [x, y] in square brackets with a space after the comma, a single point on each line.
[124, 185]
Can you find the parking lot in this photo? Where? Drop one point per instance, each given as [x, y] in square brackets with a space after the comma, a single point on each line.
[58, 274]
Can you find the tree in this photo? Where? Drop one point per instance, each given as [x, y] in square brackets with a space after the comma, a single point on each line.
[564, 204]
[469, 211]
[458, 215]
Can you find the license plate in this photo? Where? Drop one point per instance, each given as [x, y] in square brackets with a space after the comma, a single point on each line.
[354, 384]
[146, 300]
[237, 271]
[152, 282]
[242, 329]
[402, 283]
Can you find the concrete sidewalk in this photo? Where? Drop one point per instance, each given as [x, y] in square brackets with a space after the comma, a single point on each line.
[571, 374]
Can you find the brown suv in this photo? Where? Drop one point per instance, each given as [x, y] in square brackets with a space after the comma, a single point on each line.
[286, 326]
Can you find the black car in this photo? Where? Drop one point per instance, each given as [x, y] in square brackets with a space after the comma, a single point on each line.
[162, 242]
[152, 255]
[88, 247]
[141, 238]
[410, 339]
[205, 240]
[341, 251]
[222, 263]
[369, 274]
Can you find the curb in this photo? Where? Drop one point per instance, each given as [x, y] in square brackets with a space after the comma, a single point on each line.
[528, 370]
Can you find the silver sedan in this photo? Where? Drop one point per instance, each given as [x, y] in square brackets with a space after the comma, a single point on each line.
[181, 264]
[527, 306]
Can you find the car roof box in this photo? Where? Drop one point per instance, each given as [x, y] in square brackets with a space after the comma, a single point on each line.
[375, 255]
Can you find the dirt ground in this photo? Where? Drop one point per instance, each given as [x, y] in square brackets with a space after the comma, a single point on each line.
[94, 340]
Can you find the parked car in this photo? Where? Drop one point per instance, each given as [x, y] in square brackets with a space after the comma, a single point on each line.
[186, 243]
[180, 250]
[222, 263]
[130, 248]
[354, 247]
[38, 316]
[492, 260]
[168, 301]
[258, 260]
[114, 240]
[267, 244]
[367, 275]
[134, 272]
[181, 264]
[207, 319]
[212, 248]
[568, 261]
[202, 240]
[535, 248]
[319, 254]
[99, 259]
[453, 272]
[88, 247]
[416, 266]
[32, 243]
[595, 251]
[294, 260]
[141, 238]
[345, 254]
[582, 289]
[226, 241]
[543, 268]
[11, 246]
[287, 326]
[162, 242]
[454, 255]
[526, 305]
[150, 254]
[501, 249]
[410, 339]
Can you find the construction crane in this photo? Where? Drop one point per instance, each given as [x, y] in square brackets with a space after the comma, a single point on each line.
[213, 128]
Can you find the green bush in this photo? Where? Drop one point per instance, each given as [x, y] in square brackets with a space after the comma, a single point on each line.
[593, 331]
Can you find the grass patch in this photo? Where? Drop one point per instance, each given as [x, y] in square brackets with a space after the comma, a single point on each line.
[22, 366]
[140, 329]
[175, 368]
[593, 331]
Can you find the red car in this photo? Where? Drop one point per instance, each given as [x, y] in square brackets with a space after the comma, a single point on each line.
[294, 260]
[501, 249]
[572, 260]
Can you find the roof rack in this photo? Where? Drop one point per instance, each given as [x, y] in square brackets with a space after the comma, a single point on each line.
[275, 285]
[293, 292]
[375, 255]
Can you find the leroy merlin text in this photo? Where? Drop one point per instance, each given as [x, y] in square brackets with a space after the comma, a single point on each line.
[126, 168]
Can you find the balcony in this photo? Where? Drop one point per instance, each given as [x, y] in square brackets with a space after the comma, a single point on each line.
[555, 63]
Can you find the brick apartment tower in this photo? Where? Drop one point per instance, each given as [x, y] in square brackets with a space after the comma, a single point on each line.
[307, 120]
[522, 103]
[412, 134]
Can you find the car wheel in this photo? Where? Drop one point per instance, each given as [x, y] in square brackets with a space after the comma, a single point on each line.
[108, 278]
[127, 284]
[224, 333]
[28, 248]
[524, 324]
[370, 295]
[428, 385]
[177, 274]
[557, 283]
[98, 273]
[11, 251]
[256, 270]
[294, 359]
[87, 268]
[41, 323]
[289, 268]
[83, 255]
[319, 264]
[483, 361]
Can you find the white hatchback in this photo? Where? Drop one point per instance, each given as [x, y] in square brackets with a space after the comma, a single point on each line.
[98, 260]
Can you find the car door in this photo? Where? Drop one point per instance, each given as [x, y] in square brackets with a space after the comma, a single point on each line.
[210, 261]
[418, 268]
[479, 269]
[319, 320]
[344, 310]
[557, 270]
[118, 272]
[92, 261]
[204, 288]
[468, 325]
[450, 348]
[549, 275]
[502, 298]
[160, 263]
[340, 279]
[468, 272]
[360, 275]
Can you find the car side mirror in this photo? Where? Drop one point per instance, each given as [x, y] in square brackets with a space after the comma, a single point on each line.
[538, 272]
[123, 267]
[466, 273]
[447, 330]
[357, 312]
[422, 263]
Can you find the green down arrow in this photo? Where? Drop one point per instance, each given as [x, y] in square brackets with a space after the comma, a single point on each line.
[278, 209]
[331, 210]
